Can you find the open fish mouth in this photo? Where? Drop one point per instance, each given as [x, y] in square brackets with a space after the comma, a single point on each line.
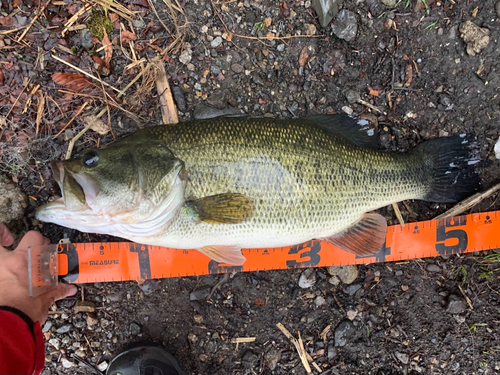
[78, 192]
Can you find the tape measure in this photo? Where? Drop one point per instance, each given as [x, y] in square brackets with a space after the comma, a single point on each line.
[121, 261]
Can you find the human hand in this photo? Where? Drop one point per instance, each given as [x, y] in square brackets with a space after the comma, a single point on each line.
[14, 288]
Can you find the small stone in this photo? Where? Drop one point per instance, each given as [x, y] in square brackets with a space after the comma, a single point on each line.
[80, 353]
[190, 67]
[150, 285]
[402, 357]
[186, 56]
[67, 363]
[55, 343]
[390, 3]
[272, 358]
[347, 109]
[12, 201]
[319, 301]
[91, 321]
[200, 294]
[102, 366]
[216, 42]
[249, 359]
[351, 314]
[475, 37]
[347, 274]
[399, 273]
[343, 332]
[308, 278]
[326, 10]
[497, 9]
[64, 329]
[433, 268]
[310, 29]
[198, 318]
[345, 25]
[203, 357]
[179, 98]
[352, 289]
[332, 352]
[455, 305]
[135, 329]
[105, 323]
[192, 337]
[215, 69]
[334, 280]
[237, 68]
[47, 326]
[281, 47]
[352, 96]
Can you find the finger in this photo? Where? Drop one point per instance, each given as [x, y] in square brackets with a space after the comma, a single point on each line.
[6, 238]
[62, 291]
[32, 238]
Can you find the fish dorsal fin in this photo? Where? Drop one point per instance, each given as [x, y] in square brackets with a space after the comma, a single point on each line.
[359, 131]
[224, 254]
[229, 208]
[363, 238]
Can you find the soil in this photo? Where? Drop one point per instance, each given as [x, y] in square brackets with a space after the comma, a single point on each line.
[431, 316]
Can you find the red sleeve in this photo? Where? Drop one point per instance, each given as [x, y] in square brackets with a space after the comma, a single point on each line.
[21, 343]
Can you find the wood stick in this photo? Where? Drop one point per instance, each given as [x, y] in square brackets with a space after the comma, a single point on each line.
[468, 203]
[39, 114]
[239, 340]
[168, 109]
[398, 214]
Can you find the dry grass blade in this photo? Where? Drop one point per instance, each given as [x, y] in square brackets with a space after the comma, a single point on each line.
[72, 119]
[468, 203]
[74, 18]
[77, 137]
[115, 7]
[299, 346]
[33, 21]
[240, 340]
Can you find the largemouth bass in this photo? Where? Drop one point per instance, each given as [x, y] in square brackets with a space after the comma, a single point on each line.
[224, 184]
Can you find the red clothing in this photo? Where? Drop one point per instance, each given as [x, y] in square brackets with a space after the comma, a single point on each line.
[21, 343]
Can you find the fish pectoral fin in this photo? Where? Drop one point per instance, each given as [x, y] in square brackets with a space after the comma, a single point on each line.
[227, 208]
[224, 254]
[363, 238]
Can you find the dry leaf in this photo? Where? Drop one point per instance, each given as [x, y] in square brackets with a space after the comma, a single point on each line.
[373, 92]
[304, 55]
[259, 302]
[285, 10]
[16, 3]
[409, 75]
[6, 21]
[474, 12]
[127, 36]
[268, 21]
[2, 77]
[108, 48]
[96, 125]
[74, 81]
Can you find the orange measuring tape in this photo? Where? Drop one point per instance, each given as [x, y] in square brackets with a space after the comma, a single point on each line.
[120, 261]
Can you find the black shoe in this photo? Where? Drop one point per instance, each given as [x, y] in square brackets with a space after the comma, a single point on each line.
[144, 360]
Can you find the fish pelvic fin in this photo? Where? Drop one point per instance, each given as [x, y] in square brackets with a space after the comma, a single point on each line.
[365, 237]
[223, 208]
[452, 162]
[224, 254]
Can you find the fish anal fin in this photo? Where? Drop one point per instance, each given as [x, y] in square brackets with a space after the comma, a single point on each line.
[365, 237]
[229, 208]
[224, 254]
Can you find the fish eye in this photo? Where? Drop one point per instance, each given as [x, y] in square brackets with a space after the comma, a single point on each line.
[90, 159]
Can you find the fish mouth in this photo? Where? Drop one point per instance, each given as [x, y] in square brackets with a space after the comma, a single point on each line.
[78, 191]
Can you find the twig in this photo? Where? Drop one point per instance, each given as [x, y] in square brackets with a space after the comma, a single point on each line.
[74, 18]
[398, 214]
[39, 114]
[17, 99]
[33, 21]
[75, 138]
[5, 32]
[115, 7]
[466, 297]
[168, 109]
[468, 203]
[299, 346]
[72, 119]
[84, 72]
[240, 340]
[371, 106]
[218, 285]
[132, 82]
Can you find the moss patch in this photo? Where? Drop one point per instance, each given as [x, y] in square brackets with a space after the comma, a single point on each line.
[96, 23]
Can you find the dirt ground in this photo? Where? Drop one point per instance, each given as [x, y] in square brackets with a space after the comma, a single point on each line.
[410, 64]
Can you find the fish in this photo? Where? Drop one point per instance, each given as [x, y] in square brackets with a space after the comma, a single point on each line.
[222, 184]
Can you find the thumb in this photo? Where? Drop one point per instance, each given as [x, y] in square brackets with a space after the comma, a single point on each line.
[32, 238]
[6, 238]
[62, 291]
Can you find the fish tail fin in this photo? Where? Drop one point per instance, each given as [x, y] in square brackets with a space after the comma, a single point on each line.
[452, 163]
